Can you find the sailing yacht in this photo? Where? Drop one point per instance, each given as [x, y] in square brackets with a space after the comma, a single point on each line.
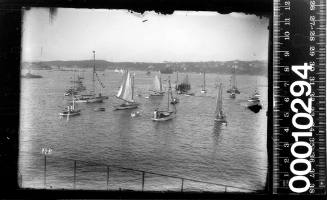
[233, 85]
[204, 84]
[176, 81]
[165, 115]
[92, 97]
[157, 91]
[220, 116]
[126, 93]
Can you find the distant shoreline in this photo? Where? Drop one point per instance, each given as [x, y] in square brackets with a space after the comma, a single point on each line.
[255, 67]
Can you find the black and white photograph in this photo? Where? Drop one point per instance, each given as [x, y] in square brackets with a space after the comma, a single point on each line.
[115, 100]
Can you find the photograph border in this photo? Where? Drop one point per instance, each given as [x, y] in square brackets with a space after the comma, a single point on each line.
[11, 19]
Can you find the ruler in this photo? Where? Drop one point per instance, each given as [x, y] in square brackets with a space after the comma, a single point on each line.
[299, 97]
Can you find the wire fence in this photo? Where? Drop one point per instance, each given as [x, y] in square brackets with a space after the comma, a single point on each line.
[53, 172]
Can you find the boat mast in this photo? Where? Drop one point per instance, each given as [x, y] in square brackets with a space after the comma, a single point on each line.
[160, 83]
[132, 77]
[234, 78]
[93, 79]
[221, 97]
[204, 80]
[74, 87]
[219, 101]
[73, 104]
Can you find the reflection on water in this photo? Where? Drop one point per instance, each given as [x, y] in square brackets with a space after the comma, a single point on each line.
[217, 129]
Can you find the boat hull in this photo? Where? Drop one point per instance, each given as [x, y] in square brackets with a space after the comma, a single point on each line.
[171, 115]
[29, 75]
[255, 107]
[164, 118]
[135, 114]
[174, 102]
[94, 100]
[85, 99]
[157, 94]
[75, 113]
[124, 106]
[223, 120]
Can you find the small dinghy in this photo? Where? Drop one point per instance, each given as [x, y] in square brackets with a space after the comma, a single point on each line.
[99, 109]
[135, 114]
[189, 94]
[183, 87]
[70, 111]
[126, 93]
[233, 85]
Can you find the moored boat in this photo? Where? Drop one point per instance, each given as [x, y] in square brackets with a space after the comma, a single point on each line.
[92, 97]
[99, 109]
[165, 115]
[70, 111]
[126, 93]
[254, 103]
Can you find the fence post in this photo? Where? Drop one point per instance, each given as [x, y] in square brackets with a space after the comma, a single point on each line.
[225, 188]
[182, 188]
[74, 174]
[107, 177]
[143, 181]
[45, 171]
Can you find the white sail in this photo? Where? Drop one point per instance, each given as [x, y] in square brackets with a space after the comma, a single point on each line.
[219, 106]
[157, 84]
[125, 91]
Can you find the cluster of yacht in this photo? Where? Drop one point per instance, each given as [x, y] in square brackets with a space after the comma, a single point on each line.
[126, 94]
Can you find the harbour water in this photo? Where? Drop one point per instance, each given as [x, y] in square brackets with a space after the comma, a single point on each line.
[190, 146]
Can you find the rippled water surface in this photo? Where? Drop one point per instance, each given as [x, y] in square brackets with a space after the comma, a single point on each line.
[190, 146]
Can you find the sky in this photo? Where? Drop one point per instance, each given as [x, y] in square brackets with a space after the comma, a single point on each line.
[123, 36]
